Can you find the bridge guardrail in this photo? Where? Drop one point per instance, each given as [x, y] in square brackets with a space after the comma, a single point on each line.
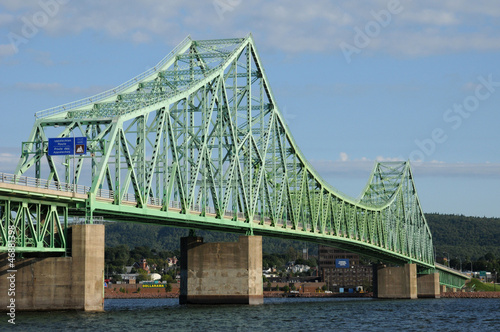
[116, 90]
[109, 194]
[43, 184]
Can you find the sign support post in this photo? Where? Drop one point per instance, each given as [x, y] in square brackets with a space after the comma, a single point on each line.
[62, 146]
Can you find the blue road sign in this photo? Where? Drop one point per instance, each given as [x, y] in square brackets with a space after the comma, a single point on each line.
[80, 145]
[342, 263]
[61, 146]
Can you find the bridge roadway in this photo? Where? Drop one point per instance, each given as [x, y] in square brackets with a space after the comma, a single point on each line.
[76, 198]
[31, 190]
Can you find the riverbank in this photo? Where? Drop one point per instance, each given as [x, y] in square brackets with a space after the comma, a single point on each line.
[131, 291]
[471, 295]
[126, 291]
[314, 295]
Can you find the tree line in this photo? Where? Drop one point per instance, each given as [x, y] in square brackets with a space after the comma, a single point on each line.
[458, 240]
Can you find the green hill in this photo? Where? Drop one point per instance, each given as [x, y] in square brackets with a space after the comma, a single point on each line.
[462, 236]
[168, 238]
[453, 236]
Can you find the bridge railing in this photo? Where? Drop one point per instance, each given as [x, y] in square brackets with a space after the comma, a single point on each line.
[115, 91]
[43, 184]
[110, 194]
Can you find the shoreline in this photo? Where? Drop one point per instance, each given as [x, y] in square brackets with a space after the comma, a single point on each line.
[131, 292]
[471, 295]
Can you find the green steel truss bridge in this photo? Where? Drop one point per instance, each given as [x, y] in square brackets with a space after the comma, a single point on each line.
[198, 142]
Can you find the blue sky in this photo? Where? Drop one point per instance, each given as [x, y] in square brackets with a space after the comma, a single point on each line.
[357, 81]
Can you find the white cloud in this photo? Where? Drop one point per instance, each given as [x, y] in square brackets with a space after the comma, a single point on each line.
[468, 170]
[15, 5]
[430, 17]
[6, 19]
[9, 158]
[140, 37]
[33, 86]
[58, 89]
[422, 27]
[382, 159]
[362, 168]
[351, 168]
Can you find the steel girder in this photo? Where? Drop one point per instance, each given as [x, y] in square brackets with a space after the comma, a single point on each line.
[199, 142]
[32, 225]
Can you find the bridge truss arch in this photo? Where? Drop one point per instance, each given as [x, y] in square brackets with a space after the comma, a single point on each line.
[198, 141]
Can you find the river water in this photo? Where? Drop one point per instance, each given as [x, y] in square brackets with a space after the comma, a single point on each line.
[283, 314]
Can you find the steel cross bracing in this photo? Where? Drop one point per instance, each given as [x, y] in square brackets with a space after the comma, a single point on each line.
[199, 142]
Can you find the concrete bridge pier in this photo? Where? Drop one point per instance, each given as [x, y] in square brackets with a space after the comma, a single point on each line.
[428, 286]
[58, 283]
[221, 273]
[404, 283]
[397, 282]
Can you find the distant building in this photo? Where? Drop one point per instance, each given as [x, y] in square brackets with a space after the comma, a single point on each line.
[172, 261]
[128, 278]
[269, 273]
[341, 269]
[155, 276]
[143, 264]
[299, 268]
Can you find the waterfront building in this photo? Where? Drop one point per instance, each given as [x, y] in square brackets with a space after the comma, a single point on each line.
[342, 271]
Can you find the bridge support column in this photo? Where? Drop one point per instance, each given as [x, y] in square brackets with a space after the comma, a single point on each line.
[221, 273]
[397, 282]
[428, 286]
[59, 283]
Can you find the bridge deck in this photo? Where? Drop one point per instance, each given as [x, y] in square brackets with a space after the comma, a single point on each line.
[23, 190]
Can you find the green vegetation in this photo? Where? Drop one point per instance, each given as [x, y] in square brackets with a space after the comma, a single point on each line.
[453, 235]
[116, 258]
[167, 277]
[168, 288]
[143, 275]
[478, 286]
[464, 240]
[464, 237]
[162, 238]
